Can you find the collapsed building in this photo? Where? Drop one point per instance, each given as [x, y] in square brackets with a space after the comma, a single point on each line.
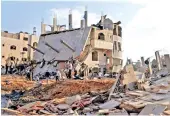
[98, 46]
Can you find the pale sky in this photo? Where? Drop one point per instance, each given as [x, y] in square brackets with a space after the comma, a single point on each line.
[145, 23]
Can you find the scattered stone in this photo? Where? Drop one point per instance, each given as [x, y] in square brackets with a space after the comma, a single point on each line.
[110, 104]
[161, 91]
[63, 106]
[71, 100]
[70, 111]
[152, 109]
[95, 108]
[87, 109]
[98, 99]
[45, 112]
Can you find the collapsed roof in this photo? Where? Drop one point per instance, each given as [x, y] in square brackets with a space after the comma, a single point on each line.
[75, 39]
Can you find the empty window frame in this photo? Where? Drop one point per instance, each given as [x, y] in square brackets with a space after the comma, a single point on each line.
[115, 45]
[25, 49]
[25, 38]
[101, 36]
[35, 44]
[95, 56]
[12, 58]
[119, 46]
[13, 47]
[24, 59]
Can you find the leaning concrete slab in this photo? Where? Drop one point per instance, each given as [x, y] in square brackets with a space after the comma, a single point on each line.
[152, 109]
[167, 61]
[76, 39]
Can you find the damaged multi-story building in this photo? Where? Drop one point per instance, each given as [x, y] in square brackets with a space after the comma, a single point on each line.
[99, 46]
[14, 46]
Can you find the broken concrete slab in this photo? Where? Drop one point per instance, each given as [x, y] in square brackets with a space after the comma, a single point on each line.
[129, 108]
[71, 100]
[131, 86]
[153, 109]
[70, 111]
[63, 106]
[137, 104]
[130, 76]
[45, 112]
[87, 109]
[167, 112]
[10, 111]
[30, 106]
[109, 104]
[95, 108]
[135, 93]
[119, 112]
[161, 91]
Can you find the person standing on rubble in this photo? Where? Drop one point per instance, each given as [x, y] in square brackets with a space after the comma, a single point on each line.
[122, 85]
[6, 66]
[11, 68]
[58, 75]
[70, 69]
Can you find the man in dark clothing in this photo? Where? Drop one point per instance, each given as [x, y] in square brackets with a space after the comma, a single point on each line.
[6, 66]
[70, 69]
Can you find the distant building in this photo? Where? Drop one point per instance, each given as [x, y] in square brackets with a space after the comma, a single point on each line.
[98, 46]
[14, 46]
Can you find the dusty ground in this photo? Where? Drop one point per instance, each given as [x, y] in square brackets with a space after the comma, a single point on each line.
[15, 82]
[54, 89]
[18, 82]
[70, 88]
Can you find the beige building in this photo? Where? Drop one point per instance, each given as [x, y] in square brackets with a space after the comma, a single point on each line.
[14, 46]
[97, 46]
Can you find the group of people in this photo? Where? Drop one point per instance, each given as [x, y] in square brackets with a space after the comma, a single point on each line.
[71, 71]
[9, 67]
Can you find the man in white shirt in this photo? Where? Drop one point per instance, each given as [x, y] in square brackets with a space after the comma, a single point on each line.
[100, 74]
[58, 76]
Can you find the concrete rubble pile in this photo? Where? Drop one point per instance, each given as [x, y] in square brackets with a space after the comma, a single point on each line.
[133, 92]
[9, 83]
[91, 98]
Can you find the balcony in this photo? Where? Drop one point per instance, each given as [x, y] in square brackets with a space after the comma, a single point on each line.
[101, 44]
[117, 54]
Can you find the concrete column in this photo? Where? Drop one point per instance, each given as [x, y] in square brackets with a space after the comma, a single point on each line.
[87, 71]
[158, 59]
[143, 61]
[102, 20]
[70, 20]
[167, 61]
[82, 23]
[54, 23]
[29, 48]
[130, 61]
[86, 17]
[42, 27]
[150, 67]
